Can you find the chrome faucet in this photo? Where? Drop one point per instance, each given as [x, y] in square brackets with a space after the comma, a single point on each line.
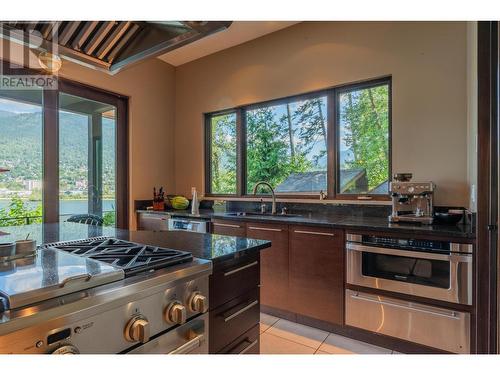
[273, 209]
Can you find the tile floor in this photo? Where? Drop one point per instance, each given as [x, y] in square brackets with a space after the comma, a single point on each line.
[280, 336]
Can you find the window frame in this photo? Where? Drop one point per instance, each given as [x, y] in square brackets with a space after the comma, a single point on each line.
[50, 149]
[336, 149]
[333, 132]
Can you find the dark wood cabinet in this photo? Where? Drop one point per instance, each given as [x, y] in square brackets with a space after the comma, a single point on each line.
[231, 320]
[229, 228]
[248, 343]
[233, 278]
[317, 273]
[234, 305]
[274, 264]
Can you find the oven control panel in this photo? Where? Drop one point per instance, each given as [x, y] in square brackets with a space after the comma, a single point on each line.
[405, 243]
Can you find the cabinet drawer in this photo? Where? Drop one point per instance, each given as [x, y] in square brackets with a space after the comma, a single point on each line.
[427, 325]
[229, 228]
[233, 319]
[233, 279]
[248, 343]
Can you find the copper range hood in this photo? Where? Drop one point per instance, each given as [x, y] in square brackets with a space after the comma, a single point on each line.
[108, 45]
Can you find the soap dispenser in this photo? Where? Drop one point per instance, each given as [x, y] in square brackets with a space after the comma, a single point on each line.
[194, 202]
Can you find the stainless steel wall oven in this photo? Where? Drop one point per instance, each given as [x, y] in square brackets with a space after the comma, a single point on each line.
[438, 270]
[433, 269]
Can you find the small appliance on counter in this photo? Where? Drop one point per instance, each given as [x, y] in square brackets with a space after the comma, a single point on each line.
[411, 201]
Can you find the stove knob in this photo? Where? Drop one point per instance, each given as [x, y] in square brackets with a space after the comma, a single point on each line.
[66, 349]
[175, 313]
[198, 303]
[137, 329]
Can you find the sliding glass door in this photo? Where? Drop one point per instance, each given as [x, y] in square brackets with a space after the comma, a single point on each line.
[87, 158]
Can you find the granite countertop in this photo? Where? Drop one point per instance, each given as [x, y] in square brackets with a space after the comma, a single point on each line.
[353, 221]
[358, 222]
[213, 247]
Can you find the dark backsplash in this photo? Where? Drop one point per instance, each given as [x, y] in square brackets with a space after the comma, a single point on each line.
[337, 209]
[323, 208]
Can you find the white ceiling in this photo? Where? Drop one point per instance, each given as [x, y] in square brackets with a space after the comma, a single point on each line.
[239, 32]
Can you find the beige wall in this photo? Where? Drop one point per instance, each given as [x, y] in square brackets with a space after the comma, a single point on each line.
[150, 88]
[426, 60]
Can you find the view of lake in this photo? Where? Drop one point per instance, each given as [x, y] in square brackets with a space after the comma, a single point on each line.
[69, 207]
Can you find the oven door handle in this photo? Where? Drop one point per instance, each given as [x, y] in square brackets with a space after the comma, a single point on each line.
[408, 253]
[189, 346]
[450, 315]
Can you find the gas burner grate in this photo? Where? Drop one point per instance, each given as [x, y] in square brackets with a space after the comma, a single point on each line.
[131, 257]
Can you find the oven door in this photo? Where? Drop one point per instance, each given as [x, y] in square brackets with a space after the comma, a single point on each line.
[444, 277]
[189, 338]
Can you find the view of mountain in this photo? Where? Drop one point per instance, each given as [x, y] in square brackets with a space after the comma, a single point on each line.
[21, 144]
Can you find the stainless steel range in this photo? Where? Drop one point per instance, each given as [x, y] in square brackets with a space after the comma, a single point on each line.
[104, 295]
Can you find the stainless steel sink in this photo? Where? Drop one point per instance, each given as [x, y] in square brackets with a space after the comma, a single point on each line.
[268, 214]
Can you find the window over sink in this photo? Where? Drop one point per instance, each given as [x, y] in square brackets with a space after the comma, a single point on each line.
[335, 141]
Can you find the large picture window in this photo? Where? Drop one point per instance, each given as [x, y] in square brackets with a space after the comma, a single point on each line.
[363, 141]
[335, 142]
[286, 146]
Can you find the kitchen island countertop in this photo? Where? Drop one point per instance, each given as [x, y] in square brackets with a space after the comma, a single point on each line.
[216, 248]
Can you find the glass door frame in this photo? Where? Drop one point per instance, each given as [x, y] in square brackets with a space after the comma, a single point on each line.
[50, 195]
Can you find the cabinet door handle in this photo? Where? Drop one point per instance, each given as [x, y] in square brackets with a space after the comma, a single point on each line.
[236, 270]
[241, 311]
[317, 233]
[248, 347]
[227, 225]
[266, 229]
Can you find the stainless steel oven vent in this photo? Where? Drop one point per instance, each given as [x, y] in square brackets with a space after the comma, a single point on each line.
[108, 45]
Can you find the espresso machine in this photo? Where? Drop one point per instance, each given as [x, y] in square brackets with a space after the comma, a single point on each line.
[411, 201]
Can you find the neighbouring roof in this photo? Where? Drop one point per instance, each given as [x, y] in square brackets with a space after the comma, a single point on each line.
[316, 181]
[352, 181]
[383, 188]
